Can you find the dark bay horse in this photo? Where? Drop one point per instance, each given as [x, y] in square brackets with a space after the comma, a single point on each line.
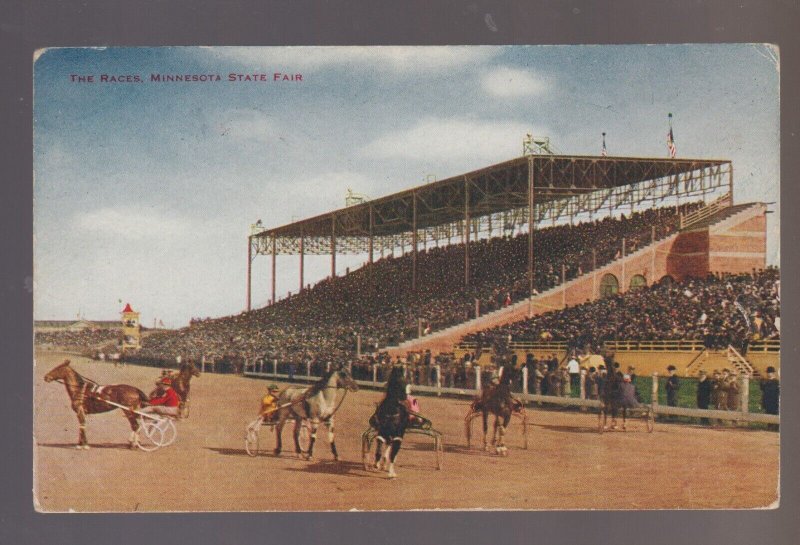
[390, 421]
[317, 404]
[87, 398]
[495, 399]
[181, 383]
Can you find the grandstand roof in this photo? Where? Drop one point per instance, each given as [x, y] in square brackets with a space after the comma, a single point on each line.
[491, 190]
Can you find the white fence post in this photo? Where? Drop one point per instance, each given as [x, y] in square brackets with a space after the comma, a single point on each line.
[654, 391]
[374, 373]
[438, 379]
[275, 367]
[203, 363]
[327, 367]
[583, 387]
[525, 380]
[478, 377]
[261, 365]
[744, 398]
[308, 368]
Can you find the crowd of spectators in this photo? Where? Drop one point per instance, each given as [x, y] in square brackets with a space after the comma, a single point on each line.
[376, 303]
[83, 338]
[718, 310]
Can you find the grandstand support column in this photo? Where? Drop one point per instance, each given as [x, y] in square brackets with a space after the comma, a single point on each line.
[302, 260]
[333, 246]
[466, 231]
[249, 268]
[414, 241]
[274, 251]
[371, 236]
[530, 237]
[730, 181]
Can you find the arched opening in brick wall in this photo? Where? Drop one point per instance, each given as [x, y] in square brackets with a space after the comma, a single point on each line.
[667, 280]
[609, 285]
[638, 282]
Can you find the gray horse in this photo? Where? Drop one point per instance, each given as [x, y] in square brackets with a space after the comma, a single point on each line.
[316, 404]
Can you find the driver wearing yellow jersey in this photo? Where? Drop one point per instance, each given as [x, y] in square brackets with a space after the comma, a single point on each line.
[269, 404]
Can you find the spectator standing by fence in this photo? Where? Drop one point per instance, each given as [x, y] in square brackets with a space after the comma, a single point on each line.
[673, 384]
[770, 394]
[703, 394]
[574, 369]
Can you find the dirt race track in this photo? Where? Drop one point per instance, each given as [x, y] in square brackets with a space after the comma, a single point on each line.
[568, 464]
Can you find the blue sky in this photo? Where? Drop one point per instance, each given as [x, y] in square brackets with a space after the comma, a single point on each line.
[144, 192]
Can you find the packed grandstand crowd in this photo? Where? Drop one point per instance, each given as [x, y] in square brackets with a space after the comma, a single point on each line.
[82, 339]
[377, 302]
[719, 310]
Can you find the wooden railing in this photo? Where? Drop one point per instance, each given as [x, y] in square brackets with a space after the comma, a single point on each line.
[706, 212]
[767, 346]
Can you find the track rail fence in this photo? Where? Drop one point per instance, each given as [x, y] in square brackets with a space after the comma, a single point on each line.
[269, 370]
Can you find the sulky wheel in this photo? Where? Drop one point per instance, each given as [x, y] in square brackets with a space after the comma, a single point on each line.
[366, 447]
[151, 436]
[437, 444]
[251, 438]
[649, 420]
[170, 431]
[304, 437]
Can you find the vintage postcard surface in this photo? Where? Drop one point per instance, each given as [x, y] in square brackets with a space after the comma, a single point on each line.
[394, 278]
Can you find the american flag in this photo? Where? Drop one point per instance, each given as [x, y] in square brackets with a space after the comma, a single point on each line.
[604, 151]
[671, 144]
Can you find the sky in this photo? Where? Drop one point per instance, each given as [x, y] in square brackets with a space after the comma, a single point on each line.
[144, 191]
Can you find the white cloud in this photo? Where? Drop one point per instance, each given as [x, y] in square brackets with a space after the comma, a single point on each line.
[505, 82]
[383, 58]
[130, 224]
[447, 140]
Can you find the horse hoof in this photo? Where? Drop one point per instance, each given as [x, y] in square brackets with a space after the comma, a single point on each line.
[78, 447]
[276, 452]
[392, 475]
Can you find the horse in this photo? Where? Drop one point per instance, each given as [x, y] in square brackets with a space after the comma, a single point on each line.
[87, 398]
[497, 400]
[610, 398]
[181, 383]
[390, 421]
[315, 404]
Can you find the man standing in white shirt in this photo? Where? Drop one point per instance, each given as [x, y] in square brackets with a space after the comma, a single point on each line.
[574, 370]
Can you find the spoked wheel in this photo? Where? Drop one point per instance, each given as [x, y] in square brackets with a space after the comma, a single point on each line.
[649, 420]
[156, 433]
[366, 447]
[305, 436]
[439, 447]
[524, 417]
[251, 439]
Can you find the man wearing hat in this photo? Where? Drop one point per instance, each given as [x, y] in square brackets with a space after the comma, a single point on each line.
[770, 394]
[165, 404]
[703, 394]
[269, 404]
[672, 387]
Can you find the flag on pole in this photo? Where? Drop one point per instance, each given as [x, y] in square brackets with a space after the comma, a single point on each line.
[671, 140]
[604, 151]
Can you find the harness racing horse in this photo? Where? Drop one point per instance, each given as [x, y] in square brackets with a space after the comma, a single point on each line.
[390, 421]
[315, 404]
[497, 400]
[610, 398]
[87, 398]
[181, 383]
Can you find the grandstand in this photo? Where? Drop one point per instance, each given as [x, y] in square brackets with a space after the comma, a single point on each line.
[489, 248]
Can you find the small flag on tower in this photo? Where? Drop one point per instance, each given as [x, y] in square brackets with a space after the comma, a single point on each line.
[671, 140]
[604, 151]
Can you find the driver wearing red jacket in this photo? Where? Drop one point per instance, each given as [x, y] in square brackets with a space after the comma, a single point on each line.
[166, 404]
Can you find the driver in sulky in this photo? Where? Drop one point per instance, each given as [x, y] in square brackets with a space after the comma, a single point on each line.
[165, 404]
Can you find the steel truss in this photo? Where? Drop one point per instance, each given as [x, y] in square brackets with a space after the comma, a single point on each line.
[494, 201]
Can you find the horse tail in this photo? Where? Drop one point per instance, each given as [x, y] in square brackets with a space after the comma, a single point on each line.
[143, 399]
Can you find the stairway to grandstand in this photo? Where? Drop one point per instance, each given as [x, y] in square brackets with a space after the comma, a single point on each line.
[716, 216]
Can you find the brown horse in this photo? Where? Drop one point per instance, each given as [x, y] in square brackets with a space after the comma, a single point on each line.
[181, 383]
[87, 398]
[497, 400]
